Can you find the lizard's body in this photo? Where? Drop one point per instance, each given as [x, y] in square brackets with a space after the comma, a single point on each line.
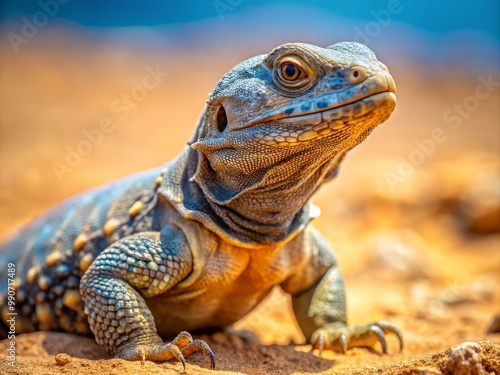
[55, 233]
[243, 276]
[198, 244]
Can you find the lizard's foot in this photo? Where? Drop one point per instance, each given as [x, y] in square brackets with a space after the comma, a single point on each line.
[339, 337]
[182, 346]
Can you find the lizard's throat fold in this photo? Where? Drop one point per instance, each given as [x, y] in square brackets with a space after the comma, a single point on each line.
[265, 205]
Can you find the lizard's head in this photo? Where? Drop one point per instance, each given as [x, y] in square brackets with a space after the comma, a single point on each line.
[295, 109]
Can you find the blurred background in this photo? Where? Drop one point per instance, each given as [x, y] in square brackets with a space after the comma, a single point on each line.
[415, 213]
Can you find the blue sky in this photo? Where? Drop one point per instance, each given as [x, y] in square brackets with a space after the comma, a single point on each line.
[451, 33]
[432, 16]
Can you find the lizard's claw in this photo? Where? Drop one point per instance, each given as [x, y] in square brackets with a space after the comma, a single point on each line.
[341, 338]
[182, 346]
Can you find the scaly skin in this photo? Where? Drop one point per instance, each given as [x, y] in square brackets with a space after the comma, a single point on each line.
[198, 244]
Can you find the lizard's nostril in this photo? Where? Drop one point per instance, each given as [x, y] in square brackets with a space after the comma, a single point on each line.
[357, 74]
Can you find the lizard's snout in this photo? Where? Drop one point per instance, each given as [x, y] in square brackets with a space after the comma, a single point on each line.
[391, 85]
[358, 74]
[381, 81]
[385, 78]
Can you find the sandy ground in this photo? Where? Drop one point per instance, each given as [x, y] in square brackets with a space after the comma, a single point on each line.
[422, 251]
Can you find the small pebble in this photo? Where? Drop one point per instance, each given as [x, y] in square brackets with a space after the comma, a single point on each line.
[62, 359]
[464, 359]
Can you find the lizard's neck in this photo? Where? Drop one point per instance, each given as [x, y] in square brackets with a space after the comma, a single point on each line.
[268, 206]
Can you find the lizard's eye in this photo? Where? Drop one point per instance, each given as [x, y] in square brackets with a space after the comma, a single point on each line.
[291, 72]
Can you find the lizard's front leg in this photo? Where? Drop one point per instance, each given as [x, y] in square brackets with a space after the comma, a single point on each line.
[321, 314]
[320, 309]
[114, 287]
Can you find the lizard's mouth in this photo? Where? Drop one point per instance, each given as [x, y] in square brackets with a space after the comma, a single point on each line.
[369, 111]
[365, 105]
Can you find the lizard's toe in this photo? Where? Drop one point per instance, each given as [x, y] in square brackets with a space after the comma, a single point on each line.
[182, 346]
[334, 337]
[199, 346]
[154, 352]
[189, 346]
[341, 338]
[388, 328]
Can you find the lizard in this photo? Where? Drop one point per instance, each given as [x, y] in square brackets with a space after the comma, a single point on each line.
[196, 244]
